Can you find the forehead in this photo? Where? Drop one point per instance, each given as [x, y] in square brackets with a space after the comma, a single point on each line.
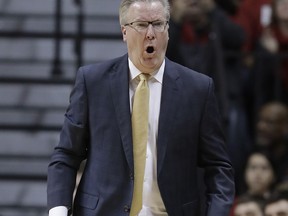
[258, 158]
[146, 11]
[272, 112]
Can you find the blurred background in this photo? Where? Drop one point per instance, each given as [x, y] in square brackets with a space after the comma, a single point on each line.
[241, 44]
[42, 43]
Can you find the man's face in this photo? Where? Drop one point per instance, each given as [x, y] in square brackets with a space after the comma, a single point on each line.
[248, 209]
[146, 49]
[270, 126]
[279, 208]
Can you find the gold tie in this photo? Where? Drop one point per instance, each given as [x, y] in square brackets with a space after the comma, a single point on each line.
[140, 136]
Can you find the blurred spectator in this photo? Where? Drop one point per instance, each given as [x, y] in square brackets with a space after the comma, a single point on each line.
[272, 134]
[259, 176]
[271, 68]
[257, 184]
[248, 206]
[203, 37]
[253, 16]
[200, 34]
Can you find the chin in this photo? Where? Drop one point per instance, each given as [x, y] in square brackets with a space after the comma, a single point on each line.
[150, 63]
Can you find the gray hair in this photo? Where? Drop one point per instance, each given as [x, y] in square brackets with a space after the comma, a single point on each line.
[125, 5]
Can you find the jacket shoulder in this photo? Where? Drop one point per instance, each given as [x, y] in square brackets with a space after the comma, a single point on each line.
[187, 74]
[104, 66]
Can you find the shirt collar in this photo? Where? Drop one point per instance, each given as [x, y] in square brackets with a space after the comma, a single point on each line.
[157, 75]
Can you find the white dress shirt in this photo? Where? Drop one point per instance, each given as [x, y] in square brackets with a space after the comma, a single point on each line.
[152, 201]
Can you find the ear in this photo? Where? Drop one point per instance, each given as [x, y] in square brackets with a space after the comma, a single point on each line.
[168, 31]
[123, 30]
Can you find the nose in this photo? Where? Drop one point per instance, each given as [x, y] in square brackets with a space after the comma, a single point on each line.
[261, 125]
[150, 35]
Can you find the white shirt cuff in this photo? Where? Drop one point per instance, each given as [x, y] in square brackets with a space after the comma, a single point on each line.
[58, 211]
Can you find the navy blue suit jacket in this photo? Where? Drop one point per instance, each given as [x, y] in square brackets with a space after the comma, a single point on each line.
[97, 127]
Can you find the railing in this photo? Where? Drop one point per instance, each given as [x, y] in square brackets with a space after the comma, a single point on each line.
[14, 165]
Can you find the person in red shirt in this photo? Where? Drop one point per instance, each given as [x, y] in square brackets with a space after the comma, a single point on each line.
[272, 66]
[253, 16]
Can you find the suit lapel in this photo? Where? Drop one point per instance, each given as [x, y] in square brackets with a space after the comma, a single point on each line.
[119, 85]
[169, 103]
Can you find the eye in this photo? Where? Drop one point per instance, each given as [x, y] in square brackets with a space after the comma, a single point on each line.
[141, 24]
[158, 24]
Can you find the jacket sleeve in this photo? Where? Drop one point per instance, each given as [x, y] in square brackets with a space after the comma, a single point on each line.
[71, 150]
[213, 158]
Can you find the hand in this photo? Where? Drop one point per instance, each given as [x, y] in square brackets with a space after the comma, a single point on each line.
[268, 41]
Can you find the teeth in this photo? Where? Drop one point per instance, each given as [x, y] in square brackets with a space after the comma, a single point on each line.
[150, 49]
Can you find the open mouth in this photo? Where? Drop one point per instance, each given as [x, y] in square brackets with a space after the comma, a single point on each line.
[150, 49]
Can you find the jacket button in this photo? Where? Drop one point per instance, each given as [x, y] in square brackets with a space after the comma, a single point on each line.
[131, 176]
[126, 208]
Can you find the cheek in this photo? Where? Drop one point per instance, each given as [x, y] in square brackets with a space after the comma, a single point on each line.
[135, 43]
[268, 177]
[248, 176]
[131, 44]
[164, 41]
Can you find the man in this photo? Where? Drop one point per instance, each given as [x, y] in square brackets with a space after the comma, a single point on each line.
[184, 132]
[271, 136]
[248, 206]
[272, 124]
[277, 206]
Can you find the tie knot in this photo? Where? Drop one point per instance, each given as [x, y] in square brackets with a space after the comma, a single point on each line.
[143, 77]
